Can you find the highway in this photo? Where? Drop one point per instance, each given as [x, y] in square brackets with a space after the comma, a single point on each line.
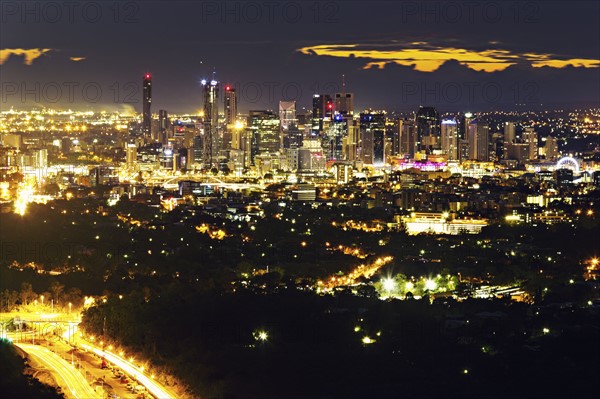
[73, 383]
[135, 372]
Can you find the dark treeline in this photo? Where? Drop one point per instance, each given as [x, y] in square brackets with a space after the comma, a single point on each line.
[15, 383]
[315, 346]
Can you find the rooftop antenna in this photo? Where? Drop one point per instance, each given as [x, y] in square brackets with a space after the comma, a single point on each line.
[344, 85]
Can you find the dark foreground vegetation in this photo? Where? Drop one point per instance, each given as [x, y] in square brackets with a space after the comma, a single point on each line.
[316, 346]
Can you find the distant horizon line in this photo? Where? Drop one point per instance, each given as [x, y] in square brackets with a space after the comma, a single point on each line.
[103, 109]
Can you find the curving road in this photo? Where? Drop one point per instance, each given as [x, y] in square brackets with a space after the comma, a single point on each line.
[74, 385]
[134, 371]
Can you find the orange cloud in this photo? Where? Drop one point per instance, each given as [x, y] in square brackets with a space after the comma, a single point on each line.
[574, 62]
[426, 58]
[77, 59]
[29, 55]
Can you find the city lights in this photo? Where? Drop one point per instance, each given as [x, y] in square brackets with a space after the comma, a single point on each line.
[302, 199]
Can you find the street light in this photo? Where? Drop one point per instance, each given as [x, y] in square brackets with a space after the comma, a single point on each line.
[261, 335]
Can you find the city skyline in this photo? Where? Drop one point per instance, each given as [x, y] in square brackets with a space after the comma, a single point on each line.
[317, 199]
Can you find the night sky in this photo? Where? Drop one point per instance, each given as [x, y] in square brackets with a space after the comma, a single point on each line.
[396, 55]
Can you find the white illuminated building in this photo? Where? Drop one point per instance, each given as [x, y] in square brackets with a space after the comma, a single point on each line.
[439, 223]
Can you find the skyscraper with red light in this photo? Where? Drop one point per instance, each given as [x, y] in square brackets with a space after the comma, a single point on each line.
[146, 105]
[230, 105]
[322, 109]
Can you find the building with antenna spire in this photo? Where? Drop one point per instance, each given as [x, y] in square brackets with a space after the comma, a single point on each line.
[344, 102]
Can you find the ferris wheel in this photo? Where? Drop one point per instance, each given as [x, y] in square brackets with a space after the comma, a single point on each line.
[568, 163]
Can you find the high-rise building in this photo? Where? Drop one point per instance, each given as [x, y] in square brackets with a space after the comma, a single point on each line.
[509, 132]
[265, 131]
[334, 138]
[408, 138]
[530, 138]
[322, 109]
[428, 128]
[478, 138]
[230, 106]
[131, 156]
[517, 151]
[372, 132]
[287, 114]
[146, 105]
[210, 121]
[344, 103]
[450, 139]
[551, 148]
[352, 141]
[463, 121]
[163, 126]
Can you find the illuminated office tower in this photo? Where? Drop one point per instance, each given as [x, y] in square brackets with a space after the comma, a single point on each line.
[163, 126]
[131, 156]
[551, 148]
[287, 114]
[230, 106]
[509, 132]
[334, 138]
[291, 135]
[322, 109]
[478, 139]
[409, 141]
[372, 132]
[462, 123]
[210, 121]
[146, 106]
[230, 114]
[428, 128]
[530, 137]
[352, 140]
[264, 126]
[450, 139]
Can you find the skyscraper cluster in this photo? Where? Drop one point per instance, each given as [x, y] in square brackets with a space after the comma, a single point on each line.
[329, 133]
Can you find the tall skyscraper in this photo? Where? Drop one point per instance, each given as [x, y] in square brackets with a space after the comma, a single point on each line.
[509, 132]
[450, 139]
[210, 121]
[230, 105]
[372, 132]
[352, 140]
[163, 126]
[322, 109]
[428, 128]
[265, 131]
[463, 124]
[344, 102]
[333, 141]
[146, 105]
[287, 114]
[408, 137]
[530, 137]
[478, 139]
[551, 148]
